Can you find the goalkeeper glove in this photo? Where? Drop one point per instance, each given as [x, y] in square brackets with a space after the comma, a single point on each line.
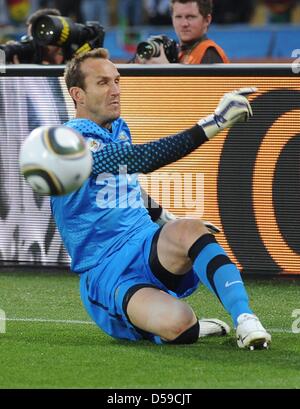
[167, 216]
[233, 107]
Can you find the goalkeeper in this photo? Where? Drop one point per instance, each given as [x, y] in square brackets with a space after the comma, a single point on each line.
[133, 272]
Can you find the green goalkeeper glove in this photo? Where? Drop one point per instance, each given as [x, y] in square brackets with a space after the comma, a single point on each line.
[233, 107]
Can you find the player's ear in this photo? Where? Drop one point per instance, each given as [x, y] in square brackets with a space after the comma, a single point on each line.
[77, 94]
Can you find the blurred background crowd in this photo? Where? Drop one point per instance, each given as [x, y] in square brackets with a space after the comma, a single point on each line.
[152, 12]
[127, 22]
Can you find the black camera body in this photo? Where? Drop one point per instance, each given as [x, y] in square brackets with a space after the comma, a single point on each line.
[58, 31]
[27, 51]
[63, 32]
[151, 48]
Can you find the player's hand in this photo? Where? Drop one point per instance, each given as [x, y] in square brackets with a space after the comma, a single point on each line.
[233, 107]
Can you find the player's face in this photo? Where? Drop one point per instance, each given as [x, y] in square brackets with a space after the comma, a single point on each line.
[102, 90]
[188, 23]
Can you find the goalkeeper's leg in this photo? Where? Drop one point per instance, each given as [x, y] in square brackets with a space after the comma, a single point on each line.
[186, 243]
[169, 319]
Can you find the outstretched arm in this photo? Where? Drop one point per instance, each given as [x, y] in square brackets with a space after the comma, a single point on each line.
[145, 158]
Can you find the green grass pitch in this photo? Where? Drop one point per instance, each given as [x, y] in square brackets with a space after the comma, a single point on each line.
[64, 350]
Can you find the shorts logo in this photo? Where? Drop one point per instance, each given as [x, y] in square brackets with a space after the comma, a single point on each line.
[94, 145]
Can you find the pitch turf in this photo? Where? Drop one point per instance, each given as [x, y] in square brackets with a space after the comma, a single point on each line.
[72, 354]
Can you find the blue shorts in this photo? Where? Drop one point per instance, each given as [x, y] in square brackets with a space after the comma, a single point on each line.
[104, 289]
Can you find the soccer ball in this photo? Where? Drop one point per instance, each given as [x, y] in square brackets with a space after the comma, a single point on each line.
[55, 160]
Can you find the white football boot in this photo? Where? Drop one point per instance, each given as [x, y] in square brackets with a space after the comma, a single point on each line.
[212, 327]
[251, 334]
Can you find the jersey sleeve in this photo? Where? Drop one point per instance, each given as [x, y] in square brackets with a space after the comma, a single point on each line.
[147, 157]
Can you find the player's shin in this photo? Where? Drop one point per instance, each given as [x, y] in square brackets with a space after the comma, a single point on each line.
[220, 275]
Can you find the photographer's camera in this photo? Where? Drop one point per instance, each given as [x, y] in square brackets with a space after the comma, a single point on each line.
[26, 50]
[64, 32]
[151, 48]
[57, 31]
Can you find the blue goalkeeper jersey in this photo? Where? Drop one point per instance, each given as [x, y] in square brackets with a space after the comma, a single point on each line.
[107, 210]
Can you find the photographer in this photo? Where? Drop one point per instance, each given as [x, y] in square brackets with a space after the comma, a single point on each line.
[53, 39]
[31, 52]
[51, 54]
[191, 20]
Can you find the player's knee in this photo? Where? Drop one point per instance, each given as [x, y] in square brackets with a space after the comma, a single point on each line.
[190, 230]
[189, 336]
[177, 325]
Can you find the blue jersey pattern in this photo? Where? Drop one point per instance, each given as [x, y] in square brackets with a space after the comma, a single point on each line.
[106, 211]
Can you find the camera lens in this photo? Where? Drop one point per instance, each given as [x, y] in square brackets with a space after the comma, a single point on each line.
[45, 31]
[148, 49]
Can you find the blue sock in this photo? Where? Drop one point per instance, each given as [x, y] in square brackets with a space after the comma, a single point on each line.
[220, 275]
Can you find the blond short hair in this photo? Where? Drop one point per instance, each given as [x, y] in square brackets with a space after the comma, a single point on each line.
[74, 77]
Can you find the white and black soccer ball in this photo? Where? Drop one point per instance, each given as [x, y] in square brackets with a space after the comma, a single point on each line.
[55, 160]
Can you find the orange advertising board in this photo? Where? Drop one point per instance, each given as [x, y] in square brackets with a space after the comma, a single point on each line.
[246, 180]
